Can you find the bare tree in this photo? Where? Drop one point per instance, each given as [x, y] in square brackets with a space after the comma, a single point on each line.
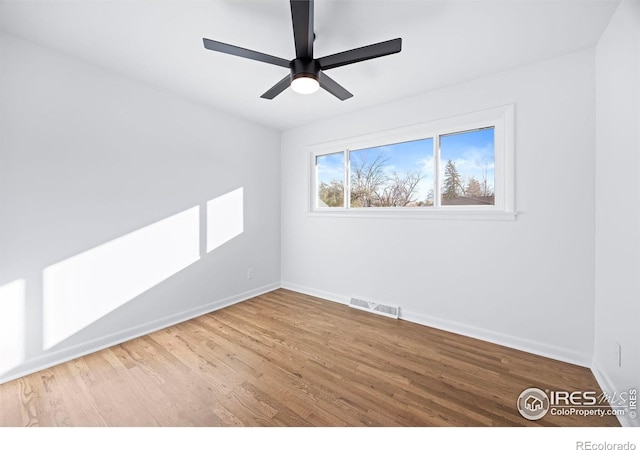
[366, 180]
[487, 189]
[429, 200]
[371, 186]
[399, 191]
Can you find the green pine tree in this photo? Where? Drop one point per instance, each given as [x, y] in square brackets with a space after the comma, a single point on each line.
[451, 181]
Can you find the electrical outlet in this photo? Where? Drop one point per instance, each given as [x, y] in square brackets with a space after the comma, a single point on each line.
[249, 273]
[619, 354]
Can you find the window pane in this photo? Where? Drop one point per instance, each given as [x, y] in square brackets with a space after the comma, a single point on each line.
[330, 180]
[397, 175]
[467, 168]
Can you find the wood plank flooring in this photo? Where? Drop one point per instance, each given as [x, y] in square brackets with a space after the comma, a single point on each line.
[287, 359]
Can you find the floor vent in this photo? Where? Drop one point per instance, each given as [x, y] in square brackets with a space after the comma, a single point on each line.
[376, 308]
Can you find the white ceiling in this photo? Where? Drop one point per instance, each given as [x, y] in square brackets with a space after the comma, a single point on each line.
[444, 42]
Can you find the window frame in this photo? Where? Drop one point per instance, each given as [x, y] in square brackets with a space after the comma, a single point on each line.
[500, 118]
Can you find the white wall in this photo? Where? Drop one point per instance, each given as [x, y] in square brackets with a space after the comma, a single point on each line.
[617, 308]
[526, 283]
[87, 157]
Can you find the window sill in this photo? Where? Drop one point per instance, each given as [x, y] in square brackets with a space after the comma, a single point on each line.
[439, 214]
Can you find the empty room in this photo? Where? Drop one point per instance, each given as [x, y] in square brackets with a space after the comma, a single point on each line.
[330, 213]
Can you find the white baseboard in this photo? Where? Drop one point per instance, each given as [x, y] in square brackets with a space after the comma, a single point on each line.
[515, 342]
[607, 385]
[506, 340]
[316, 293]
[69, 353]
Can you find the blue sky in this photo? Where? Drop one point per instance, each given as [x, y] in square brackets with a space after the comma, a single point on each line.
[458, 145]
[412, 156]
[472, 152]
[330, 167]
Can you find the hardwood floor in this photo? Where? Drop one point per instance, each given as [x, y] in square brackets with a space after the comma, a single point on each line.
[287, 359]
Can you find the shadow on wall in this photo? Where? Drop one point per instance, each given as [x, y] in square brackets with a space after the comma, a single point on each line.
[80, 290]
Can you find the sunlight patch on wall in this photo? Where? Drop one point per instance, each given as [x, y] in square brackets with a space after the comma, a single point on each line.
[88, 286]
[225, 218]
[12, 323]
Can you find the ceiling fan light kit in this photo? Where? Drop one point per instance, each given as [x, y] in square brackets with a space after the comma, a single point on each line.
[304, 76]
[305, 85]
[307, 73]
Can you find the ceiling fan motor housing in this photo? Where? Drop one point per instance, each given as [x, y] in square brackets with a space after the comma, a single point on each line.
[304, 67]
[308, 72]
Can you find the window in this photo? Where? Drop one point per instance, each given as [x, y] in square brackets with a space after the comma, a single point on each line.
[396, 175]
[330, 180]
[467, 162]
[461, 165]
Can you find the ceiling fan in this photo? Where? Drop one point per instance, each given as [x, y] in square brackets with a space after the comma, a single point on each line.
[306, 72]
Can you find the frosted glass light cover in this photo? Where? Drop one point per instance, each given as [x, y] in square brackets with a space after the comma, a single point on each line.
[305, 85]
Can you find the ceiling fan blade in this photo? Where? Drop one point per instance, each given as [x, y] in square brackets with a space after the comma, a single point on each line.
[277, 88]
[302, 18]
[361, 54]
[244, 53]
[329, 85]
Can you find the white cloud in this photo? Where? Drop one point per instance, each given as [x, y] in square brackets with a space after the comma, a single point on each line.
[327, 173]
[475, 161]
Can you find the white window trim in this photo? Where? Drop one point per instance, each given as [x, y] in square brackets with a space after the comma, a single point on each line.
[501, 118]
